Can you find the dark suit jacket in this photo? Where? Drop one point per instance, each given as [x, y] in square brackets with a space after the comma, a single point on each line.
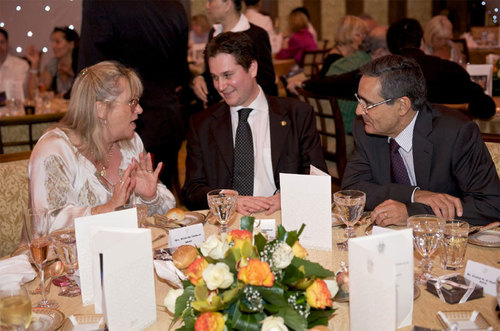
[449, 157]
[295, 145]
[447, 82]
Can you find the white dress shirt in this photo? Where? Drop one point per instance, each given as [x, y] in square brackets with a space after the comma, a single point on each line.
[14, 77]
[242, 25]
[259, 123]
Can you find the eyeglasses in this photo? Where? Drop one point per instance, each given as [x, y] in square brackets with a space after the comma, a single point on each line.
[366, 106]
[134, 102]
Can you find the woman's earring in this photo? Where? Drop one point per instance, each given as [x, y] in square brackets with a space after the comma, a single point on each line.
[105, 122]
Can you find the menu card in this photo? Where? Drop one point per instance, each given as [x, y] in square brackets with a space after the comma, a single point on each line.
[381, 266]
[126, 218]
[123, 277]
[307, 199]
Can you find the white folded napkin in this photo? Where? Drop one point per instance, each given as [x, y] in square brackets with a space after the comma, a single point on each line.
[168, 271]
[16, 269]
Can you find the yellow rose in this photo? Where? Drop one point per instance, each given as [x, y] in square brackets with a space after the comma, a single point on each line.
[239, 237]
[318, 295]
[298, 250]
[256, 273]
[195, 270]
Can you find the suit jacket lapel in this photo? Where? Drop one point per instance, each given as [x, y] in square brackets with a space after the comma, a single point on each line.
[422, 147]
[222, 132]
[279, 124]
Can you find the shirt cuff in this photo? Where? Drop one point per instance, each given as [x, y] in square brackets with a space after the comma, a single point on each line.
[413, 193]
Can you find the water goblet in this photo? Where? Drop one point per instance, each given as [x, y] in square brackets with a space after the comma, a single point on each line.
[222, 204]
[15, 306]
[349, 205]
[36, 225]
[427, 234]
[64, 242]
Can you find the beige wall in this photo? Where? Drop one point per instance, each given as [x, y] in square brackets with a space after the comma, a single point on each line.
[284, 8]
[332, 11]
[419, 10]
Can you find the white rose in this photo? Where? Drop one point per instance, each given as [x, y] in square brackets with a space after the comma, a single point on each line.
[282, 256]
[332, 285]
[170, 299]
[272, 323]
[215, 247]
[217, 276]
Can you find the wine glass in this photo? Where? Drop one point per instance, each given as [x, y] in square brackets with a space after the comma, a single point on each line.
[427, 234]
[65, 245]
[15, 306]
[222, 204]
[349, 205]
[36, 225]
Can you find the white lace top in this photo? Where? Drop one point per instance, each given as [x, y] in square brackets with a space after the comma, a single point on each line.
[65, 182]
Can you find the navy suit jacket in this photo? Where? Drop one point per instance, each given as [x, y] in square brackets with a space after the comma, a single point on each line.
[295, 145]
[449, 157]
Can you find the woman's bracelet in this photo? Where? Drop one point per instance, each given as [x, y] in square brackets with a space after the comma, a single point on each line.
[152, 201]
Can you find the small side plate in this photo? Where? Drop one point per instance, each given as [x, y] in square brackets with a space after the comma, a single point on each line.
[82, 320]
[464, 320]
[46, 319]
[488, 238]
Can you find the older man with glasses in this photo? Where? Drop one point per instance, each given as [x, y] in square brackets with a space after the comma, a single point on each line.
[413, 159]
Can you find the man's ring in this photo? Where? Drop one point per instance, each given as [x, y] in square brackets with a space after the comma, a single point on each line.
[385, 215]
[150, 171]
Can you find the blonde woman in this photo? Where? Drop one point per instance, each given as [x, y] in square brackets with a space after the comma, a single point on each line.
[92, 161]
[437, 40]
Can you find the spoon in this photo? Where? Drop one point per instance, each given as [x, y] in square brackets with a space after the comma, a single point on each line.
[56, 269]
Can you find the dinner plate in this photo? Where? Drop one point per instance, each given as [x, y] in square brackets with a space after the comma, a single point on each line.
[81, 319]
[464, 320]
[488, 238]
[190, 218]
[46, 319]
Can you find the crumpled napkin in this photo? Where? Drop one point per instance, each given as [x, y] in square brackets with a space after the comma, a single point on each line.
[16, 269]
[168, 271]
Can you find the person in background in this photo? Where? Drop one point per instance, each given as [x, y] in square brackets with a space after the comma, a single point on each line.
[438, 33]
[93, 161]
[59, 73]
[370, 22]
[301, 39]
[310, 27]
[200, 28]
[228, 17]
[349, 35]
[13, 70]
[252, 12]
[413, 158]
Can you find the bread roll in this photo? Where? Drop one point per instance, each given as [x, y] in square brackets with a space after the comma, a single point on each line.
[184, 255]
[176, 214]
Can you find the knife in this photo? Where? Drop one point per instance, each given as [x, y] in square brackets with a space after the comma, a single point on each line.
[484, 228]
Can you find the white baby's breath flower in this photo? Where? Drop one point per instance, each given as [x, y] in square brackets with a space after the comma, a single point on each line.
[214, 247]
[170, 298]
[217, 276]
[282, 256]
[332, 285]
[272, 323]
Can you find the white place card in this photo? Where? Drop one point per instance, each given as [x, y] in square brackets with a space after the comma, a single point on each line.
[126, 218]
[267, 226]
[123, 277]
[189, 235]
[483, 275]
[308, 199]
[381, 229]
[316, 171]
[381, 266]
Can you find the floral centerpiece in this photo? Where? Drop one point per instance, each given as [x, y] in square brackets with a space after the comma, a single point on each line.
[244, 284]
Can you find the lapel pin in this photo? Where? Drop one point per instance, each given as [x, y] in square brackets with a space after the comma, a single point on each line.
[283, 123]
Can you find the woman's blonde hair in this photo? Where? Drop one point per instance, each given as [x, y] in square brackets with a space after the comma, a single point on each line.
[297, 21]
[439, 26]
[347, 28]
[99, 82]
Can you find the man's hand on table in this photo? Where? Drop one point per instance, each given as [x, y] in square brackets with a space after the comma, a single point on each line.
[293, 85]
[390, 212]
[247, 205]
[443, 205]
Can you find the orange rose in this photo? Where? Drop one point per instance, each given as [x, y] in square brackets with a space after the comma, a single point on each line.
[195, 270]
[298, 250]
[209, 321]
[256, 273]
[318, 295]
[240, 237]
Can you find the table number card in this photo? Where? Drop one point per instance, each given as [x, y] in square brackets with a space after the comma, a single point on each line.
[189, 235]
[266, 226]
[307, 199]
[381, 266]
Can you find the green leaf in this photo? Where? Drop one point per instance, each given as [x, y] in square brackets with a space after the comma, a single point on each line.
[260, 241]
[246, 223]
[292, 275]
[242, 321]
[281, 236]
[293, 319]
[231, 258]
[312, 269]
[319, 317]
[302, 227]
[182, 300]
[274, 295]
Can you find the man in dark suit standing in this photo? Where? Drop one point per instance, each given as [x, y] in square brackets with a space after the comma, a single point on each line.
[413, 159]
[245, 142]
[151, 37]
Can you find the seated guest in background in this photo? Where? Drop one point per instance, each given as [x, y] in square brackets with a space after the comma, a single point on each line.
[349, 35]
[300, 40]
[252, 12]
[245, 142]
[411, 158]
[13, 70]
[438, 33]
[228, 17]
[447, 82]
[92, 160]
[370, 22]
[199, 30]
[59, 73]
[310, 27]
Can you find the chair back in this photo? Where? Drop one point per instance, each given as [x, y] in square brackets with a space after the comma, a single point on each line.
[322, 43]
[331, 131]
[13, 199]
[313, 60]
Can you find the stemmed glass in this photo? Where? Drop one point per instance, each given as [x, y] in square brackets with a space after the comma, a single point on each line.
[349, 205]
[36, 225]
[15, 306]
[65, 245]
[427, 234]
[222, 204]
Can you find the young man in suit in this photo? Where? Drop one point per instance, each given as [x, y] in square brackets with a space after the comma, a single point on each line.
[413, 159]
[274, 135]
